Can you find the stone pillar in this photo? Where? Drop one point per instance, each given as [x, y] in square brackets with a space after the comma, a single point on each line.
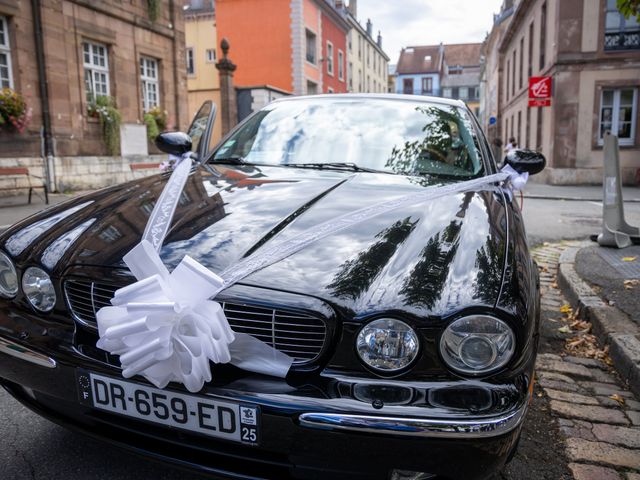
[228, 104]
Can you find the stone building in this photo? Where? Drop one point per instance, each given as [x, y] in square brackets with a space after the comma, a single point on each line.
[490, 73]
[592, 54]
[367, 63]
[66, 53]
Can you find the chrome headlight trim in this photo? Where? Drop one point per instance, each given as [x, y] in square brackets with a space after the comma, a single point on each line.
[9, 284]
[38, 288]
[387, 345]
[477, 345]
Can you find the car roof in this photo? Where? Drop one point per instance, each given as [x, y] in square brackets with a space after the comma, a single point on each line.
[376, 96]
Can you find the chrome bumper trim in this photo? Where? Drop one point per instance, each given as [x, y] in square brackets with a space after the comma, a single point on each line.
[18, 351]
[419, 427]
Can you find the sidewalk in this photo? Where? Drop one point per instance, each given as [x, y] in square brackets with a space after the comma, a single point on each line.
[14, 209]
[576, 192]
[605, 284]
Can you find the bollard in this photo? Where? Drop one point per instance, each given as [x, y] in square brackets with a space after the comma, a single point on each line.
[616, 232]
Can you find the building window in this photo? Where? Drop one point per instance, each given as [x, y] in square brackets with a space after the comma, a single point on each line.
[312, 87]
[618, 112]
[191, 65]
[463, 93]
[513, 74]
[520, 70]
[359, 46]
[543, 40]
[149, 81]
[96, 70]
[210, 55]
[311, 46]
[620, 33]
[527, 129]
[454, 70]
[407, 85]
[329, 90]
[427, 85]
[447, 92]
[329, 58]
[340, 65]
[539, 129]
[506, 87]
[530, 55]
[350, 74]
[6, 73]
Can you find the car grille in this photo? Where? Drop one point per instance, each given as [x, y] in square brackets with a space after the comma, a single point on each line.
[299, 335]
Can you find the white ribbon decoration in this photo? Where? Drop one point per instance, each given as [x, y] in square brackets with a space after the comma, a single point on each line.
[516, 180]
[165, 326]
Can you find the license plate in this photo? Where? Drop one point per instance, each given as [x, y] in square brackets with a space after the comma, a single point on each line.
[205, 415]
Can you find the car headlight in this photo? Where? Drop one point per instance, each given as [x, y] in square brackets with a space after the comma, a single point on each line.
[477, 344]
[8, 277]
[387, 344]
[38, 288]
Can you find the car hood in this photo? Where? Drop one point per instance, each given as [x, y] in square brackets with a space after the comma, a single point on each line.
[428, 260]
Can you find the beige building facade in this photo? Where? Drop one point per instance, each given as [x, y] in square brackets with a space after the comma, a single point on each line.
[367, 63]
[201, 41]
[593, 57]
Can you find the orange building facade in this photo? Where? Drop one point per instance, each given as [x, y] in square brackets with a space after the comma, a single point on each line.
[283, 43]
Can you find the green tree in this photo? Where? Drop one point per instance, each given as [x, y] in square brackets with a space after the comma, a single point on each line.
[629, 8]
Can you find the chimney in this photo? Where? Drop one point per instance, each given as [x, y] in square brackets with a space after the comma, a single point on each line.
[369, 27]
[379, 39]
[353, 8]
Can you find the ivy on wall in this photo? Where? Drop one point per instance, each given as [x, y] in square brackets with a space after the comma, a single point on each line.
[104, 108]
[154, 9]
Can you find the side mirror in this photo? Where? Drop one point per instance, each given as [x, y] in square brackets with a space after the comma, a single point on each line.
[174, 143]
[526, 161]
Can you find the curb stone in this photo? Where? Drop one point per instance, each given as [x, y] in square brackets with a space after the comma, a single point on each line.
[610, 325]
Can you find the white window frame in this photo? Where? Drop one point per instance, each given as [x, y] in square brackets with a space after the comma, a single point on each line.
[189, 51]
[340, 65]
[329, 58]
[150, 82]
[5, 47]
[210, 55]
[466, 93]
[615, 114]
[95, 69]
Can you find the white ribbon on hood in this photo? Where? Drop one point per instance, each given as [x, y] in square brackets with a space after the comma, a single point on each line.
[165, 326]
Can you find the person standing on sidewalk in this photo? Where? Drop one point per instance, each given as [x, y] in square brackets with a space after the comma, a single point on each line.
[512, 145]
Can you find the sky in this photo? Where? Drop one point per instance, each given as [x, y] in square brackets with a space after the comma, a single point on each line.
[427, 22]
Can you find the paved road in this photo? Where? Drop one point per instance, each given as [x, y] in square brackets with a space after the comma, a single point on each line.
[555, 220]
[33, 448]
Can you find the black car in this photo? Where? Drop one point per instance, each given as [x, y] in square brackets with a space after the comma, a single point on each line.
[414, 332]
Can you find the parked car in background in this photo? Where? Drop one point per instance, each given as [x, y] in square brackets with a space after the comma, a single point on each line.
[414, 333]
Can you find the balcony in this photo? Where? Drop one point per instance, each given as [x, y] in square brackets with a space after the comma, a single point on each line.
[626, 40]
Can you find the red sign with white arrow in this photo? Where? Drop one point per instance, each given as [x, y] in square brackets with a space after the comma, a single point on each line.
[539, 91]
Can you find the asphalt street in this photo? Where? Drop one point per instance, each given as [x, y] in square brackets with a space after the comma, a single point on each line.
[34, 448]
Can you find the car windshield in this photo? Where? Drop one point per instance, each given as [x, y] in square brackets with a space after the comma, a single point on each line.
[393, 136]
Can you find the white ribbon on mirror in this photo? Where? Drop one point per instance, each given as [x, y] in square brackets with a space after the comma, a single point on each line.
[166, 327]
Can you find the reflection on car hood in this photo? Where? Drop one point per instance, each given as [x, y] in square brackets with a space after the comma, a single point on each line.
[427, 260]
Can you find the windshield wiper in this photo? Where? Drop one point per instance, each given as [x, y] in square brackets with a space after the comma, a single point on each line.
[336, 165]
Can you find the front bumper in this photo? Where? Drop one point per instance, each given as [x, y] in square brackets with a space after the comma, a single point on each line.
[324, 429]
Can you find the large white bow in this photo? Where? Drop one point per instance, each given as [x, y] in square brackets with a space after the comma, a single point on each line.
[164, 326]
